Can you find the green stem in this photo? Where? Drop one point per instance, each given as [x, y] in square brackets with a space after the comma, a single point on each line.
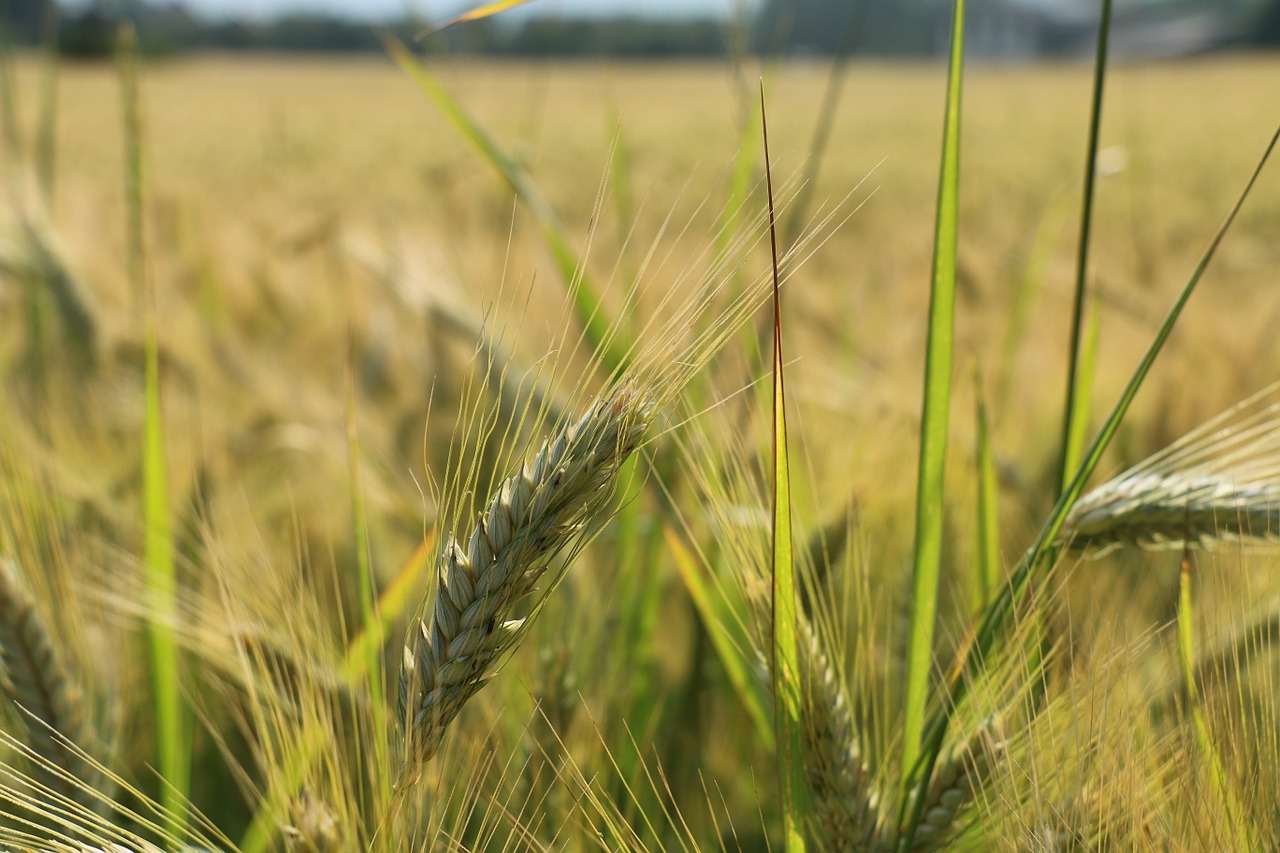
[1073, 412]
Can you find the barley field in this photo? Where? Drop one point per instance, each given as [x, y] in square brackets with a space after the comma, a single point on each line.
[351, 500]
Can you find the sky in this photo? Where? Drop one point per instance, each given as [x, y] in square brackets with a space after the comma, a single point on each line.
[432, 9]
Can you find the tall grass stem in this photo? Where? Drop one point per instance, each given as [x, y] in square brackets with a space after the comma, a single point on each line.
[1074, 411]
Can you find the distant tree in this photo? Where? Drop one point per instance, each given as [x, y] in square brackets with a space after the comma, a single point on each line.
[318, 33]
[1264, 29]
[26, 19]
[90, 34]
[622, 37]
[229, 35]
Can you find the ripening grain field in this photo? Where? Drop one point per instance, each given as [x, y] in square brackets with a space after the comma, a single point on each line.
[361, 332]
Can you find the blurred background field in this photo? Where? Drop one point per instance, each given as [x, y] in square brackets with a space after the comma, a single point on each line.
[294, 203]
[274, 179]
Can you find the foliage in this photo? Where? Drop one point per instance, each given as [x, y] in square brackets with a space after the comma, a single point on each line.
[370, 388]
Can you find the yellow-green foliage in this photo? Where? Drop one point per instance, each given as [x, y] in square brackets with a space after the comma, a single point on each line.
[303, 214]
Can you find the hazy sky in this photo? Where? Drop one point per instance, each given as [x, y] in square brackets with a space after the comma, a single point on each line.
[374, 9]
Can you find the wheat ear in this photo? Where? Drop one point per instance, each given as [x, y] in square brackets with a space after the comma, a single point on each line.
[35, 681]
[535, 515]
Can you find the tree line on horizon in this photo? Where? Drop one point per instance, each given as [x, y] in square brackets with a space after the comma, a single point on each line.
[779, 27]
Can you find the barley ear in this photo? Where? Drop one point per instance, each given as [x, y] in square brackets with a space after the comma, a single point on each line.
[1218, 483]
[44, 696]
[957, 780]
[540, 512]
[845, 808]
[1168, 512]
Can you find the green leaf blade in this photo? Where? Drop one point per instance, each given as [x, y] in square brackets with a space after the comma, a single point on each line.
[785, 670]
[930, 497]
[172, 743]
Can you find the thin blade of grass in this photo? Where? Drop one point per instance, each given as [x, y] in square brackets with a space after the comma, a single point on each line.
[173, 746]
[994, 617]
[1244, 644]
[930, 496]
[1074, 412]
[476, 14]
[725, 630]
[638, 545]
[786, 655]
[620, 181]
[1238, 826]
[364, 572]
[637, 639]
[396, 598]
[602, 334]
[1077, 433]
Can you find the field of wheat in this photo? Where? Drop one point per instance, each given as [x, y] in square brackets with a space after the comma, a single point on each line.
[385, 458]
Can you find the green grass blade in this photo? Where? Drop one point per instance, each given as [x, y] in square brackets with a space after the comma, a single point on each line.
[397, 598]
[173, 745]
[620, 182]
[1074, 412]
[635, 574]
[786, 656]
[1085, 369]
[641, 582]
[724, 621]
[620, 179]
[636, 639]
[988, 556]
[1230, 654]
[998, 612]
[602, 334]
[485, 11]
[937, 401]
[1238, 826]
[365, 578]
